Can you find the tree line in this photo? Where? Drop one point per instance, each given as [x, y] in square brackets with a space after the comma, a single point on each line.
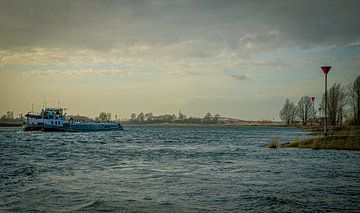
[343, 102]
[150, 118]
[10, 117]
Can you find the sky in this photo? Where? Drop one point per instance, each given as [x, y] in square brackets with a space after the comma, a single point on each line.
[240, 59]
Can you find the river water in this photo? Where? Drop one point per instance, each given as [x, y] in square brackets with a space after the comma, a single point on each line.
[174, 169]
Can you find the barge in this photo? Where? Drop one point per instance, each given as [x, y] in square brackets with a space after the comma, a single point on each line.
[54, 119]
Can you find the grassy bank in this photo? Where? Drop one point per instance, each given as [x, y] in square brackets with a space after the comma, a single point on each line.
[346, 138]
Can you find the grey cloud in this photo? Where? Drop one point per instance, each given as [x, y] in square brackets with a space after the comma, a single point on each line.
[267, 25]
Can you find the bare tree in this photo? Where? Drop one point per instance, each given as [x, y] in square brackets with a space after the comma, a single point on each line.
[141, 117]
[342, 101]
[181, 116]
[8, 116]
[149, 117]
[207, 118]
[104, 117]
[304, 109]
[355, 99]
[288, 112]
[217, 118]
[336, 104]
[133, 118]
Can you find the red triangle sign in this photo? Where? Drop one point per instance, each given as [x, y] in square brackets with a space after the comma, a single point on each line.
[326, 69]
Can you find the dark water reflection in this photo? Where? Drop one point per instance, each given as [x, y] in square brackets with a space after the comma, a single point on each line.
[173, 168]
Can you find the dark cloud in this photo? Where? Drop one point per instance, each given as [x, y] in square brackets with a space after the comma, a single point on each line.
[267, 25]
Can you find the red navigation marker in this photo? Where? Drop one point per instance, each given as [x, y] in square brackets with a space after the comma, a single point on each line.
[313, 99]
[326, 69]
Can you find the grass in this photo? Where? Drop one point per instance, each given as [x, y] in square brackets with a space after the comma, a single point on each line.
[274, 143]
[344, 138]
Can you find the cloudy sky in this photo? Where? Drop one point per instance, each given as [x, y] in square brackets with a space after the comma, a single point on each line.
[238, 58]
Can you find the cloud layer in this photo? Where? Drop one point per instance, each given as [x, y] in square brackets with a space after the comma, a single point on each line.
[260, 25]
[214, 48]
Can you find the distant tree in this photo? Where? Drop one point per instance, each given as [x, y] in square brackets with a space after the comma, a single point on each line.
[194, 120]
[101, 117]
[8, 116]
[181, 116]
[288, 112]
[207, 118]
[304, 109]
[108, 116]
[216, 118]
[104, 117]
[133, 118]
[336, 102]
[141, 118]
[21, 117]
[167, 118]
[149, 117]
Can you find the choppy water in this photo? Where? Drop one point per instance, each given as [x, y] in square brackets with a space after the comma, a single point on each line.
[173, 168]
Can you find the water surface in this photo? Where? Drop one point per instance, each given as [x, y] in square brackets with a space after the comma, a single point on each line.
[173, 168]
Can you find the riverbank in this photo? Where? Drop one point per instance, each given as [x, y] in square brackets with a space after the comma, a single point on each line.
[273, 124]
[344, 138]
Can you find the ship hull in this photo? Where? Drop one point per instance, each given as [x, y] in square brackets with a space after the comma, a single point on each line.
[76, 128]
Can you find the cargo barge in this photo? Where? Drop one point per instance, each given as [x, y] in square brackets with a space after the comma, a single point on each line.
[54, 119]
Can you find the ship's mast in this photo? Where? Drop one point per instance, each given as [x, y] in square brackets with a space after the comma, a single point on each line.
[43, 97]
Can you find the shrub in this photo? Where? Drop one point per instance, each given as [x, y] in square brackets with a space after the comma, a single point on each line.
[274, 143]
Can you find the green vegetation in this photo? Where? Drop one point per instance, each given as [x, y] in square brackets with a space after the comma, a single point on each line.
[347, 138]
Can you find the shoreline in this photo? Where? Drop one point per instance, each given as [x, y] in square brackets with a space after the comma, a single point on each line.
[203, 124]
[338, 138]
[19, 124]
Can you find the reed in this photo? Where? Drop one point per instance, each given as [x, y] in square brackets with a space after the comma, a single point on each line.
[274, 143]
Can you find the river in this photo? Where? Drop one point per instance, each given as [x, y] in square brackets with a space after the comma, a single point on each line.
[163, 168]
